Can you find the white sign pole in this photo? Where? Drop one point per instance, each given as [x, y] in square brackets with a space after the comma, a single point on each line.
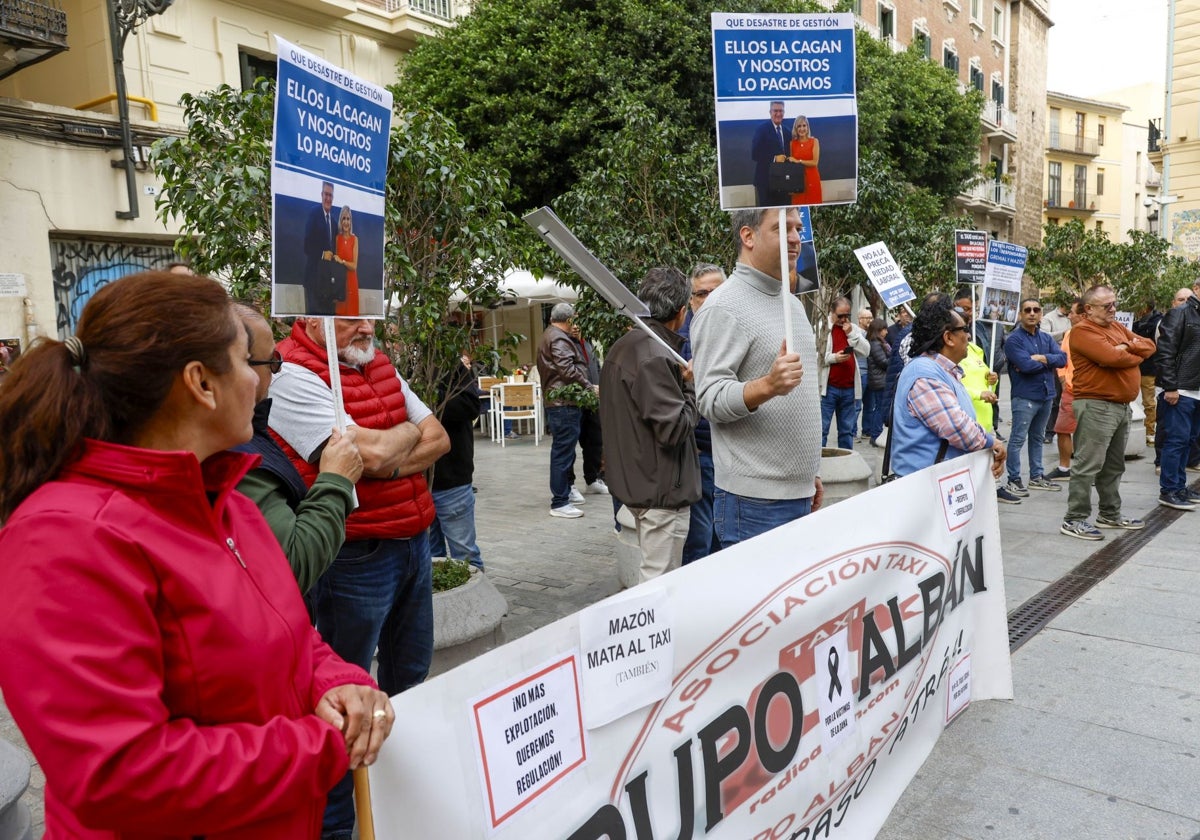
[785, 277]
[335, 376]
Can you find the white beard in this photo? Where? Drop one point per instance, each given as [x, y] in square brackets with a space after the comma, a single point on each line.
[356, 356]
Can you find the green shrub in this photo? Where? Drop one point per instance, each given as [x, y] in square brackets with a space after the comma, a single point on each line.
[447, 574]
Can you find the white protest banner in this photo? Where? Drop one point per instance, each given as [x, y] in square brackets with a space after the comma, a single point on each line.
[328, 172]
[628, 655]
[735, 749]
[959, 695]
[12, 285]
[1125, 319]
[1002, 281]
[885, 275]
[787, 116]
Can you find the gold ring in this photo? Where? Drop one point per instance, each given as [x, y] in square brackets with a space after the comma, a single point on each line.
[379, 713]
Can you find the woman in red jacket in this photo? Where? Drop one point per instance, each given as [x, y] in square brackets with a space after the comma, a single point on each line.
[157, 655]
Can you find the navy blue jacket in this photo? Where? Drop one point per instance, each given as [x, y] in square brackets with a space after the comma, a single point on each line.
[1032, 380]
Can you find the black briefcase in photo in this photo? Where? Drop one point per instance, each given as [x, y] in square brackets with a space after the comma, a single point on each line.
[785, 176]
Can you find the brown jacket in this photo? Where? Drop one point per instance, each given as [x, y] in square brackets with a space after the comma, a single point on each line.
[560, 362]
[1101, 371]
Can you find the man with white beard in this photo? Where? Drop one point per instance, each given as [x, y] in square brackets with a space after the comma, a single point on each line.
[378, 592]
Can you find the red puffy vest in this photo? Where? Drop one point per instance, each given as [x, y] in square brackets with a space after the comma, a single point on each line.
[387, 508]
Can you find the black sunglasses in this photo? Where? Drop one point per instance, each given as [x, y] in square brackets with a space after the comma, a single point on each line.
[1029, 309]
[275, 363]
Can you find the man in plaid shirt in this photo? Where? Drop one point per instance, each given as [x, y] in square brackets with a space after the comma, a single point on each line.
[933, 418]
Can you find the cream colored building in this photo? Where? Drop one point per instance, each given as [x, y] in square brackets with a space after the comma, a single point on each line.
[60, 193]
[1176, 151]
[1085, 162]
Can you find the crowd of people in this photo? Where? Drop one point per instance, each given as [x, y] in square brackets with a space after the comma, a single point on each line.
[162, 623]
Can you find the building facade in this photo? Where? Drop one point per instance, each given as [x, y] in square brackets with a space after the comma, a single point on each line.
[1174, 146]
[1085, 150]
[997, 47]
[72, 219]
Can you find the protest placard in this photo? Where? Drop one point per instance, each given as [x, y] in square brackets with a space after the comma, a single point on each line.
[970, 256]
[328, 173]
[885, 275]
[803, 699]
[787, 115]
[1002, 282]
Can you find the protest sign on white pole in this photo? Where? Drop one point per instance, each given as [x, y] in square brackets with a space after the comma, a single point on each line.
[328, 174]
[885, 275]
[886, 611]
[786, 109]
[559, 237]
[970, 256]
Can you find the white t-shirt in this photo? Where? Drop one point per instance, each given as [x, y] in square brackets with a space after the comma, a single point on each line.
[302, 408]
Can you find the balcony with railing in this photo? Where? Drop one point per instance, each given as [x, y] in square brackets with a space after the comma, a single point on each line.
[992, 195]
[440, 9]
[1076, 202]
[1078, 144]
[30, 31]
[999, 121]
[1154, 137]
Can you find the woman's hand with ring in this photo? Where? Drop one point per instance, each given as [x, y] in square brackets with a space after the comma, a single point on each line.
[365, 717]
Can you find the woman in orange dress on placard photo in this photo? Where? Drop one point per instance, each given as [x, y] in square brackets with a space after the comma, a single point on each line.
[347, 255]
[806, 149]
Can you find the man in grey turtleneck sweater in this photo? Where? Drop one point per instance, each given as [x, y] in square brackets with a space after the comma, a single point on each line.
[762, 402]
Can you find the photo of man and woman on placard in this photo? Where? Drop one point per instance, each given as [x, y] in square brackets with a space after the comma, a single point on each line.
[328, 253]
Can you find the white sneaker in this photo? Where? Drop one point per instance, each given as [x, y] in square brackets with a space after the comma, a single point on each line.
[598, 487]
[576, 498]
[566, 512]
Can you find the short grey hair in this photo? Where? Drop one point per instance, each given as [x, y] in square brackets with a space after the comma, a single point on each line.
[701, 269]
[561, 313]
[665, 291]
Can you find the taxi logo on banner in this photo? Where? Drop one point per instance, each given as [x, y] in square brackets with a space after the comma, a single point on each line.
[873, 667]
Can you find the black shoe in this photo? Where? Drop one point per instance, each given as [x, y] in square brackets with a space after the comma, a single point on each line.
[1179, 500]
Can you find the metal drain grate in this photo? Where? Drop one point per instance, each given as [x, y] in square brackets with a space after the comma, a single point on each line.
[1026, 620]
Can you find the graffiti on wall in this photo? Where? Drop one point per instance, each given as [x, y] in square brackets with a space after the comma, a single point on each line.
[81, 266]
[1185, 233]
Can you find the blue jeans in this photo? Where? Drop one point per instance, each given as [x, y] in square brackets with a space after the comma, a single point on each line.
[563, 423]
[739, 518]
[840, 401]
[377, 592]
[455, 524]
[872, 423]
[1028, 426]
[1180, 424]
[701, 540]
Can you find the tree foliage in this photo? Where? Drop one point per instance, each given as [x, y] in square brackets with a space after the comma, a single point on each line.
[1141, 271]
[449, 234]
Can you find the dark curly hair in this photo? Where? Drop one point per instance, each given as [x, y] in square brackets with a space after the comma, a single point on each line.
[935, 316]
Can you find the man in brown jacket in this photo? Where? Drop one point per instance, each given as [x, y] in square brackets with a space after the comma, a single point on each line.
[648, 417]
[560, 362]
[1106, 357]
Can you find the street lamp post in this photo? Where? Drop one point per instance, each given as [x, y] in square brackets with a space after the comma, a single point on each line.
[124, 16]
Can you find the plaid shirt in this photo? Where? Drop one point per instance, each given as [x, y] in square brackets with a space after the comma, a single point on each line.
[937, 407]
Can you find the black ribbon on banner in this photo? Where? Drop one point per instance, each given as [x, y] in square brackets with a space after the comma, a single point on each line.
[835, 684]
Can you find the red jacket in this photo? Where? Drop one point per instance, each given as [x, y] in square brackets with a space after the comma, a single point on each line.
[388, 508]
[157, 655]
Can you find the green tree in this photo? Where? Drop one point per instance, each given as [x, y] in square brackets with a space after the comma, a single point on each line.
[449, 232]
[1070, 259]
[539, 86]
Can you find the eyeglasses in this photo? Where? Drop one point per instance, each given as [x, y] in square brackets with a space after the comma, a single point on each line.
[275, 363]
[1111, 305]
[701, 293]
[963, 328]
[1029, 309]
[842, 316]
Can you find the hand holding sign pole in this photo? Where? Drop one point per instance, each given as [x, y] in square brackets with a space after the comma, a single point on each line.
[559, 237]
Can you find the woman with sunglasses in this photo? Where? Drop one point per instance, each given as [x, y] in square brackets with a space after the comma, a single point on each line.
[309, 522]
[157, 655]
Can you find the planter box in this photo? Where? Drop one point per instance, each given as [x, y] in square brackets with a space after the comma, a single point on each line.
[15, 822]
[466, 622]
[844, 473]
